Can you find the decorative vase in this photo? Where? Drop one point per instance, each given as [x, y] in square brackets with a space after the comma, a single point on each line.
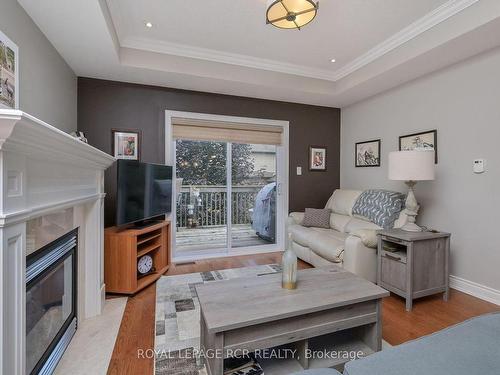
[289, 269]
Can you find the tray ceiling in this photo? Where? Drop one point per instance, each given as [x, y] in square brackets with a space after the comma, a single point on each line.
[225, 46]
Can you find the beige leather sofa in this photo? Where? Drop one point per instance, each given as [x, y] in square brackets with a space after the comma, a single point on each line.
[350, 242]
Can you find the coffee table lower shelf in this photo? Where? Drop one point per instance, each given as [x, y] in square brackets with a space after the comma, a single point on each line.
[344, 343]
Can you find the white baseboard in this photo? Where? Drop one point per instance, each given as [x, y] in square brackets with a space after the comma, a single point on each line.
[474, 289]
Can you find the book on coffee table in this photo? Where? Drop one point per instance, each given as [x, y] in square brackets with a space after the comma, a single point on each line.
[245, 365]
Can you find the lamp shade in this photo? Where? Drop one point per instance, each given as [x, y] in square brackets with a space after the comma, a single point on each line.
[411, 165]
[291, 14]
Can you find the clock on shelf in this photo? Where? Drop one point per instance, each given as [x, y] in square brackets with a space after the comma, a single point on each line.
[145, 265]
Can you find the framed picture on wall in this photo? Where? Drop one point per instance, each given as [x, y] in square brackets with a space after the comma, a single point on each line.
[126, 144]
[367, 153]
[420, 141]
[317, 158]
[9, 73]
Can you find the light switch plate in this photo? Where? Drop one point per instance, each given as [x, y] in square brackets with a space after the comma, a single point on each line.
[299, 171]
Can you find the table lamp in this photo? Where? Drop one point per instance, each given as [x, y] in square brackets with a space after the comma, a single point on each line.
[411, 166]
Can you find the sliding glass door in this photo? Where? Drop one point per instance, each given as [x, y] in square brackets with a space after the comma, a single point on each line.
[216, 218]
[253, 195]
[202, 209]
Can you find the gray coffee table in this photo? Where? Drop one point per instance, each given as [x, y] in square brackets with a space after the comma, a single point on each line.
[256, 313]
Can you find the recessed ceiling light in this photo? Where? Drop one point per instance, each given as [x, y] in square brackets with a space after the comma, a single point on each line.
[333, 60]
[149, 25]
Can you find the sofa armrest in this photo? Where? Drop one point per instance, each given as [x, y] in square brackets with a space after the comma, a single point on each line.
[367, 236]
[295, 218]
[359, 259]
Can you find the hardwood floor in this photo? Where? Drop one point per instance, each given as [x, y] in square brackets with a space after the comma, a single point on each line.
[429, 314]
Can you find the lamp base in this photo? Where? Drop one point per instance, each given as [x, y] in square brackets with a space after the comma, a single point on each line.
[411, 227]
[411, 209]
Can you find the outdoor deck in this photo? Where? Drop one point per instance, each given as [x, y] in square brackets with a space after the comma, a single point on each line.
[214, 237]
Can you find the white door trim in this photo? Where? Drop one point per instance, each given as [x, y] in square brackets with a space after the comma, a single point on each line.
[283, 168]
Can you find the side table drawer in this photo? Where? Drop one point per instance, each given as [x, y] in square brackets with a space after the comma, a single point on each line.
[393, 272]
[398, 256]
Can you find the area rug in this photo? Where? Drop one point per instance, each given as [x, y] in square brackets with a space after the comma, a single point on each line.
[177, 332]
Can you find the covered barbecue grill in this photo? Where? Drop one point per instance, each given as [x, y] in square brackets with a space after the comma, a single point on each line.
[264, 213]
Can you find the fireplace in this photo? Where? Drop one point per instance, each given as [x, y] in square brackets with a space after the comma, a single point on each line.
[51, 184]
[51, 302]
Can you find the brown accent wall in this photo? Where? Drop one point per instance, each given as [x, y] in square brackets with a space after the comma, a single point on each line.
[104, 105]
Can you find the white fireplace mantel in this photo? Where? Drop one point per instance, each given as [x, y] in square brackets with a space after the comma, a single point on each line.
[43, 170]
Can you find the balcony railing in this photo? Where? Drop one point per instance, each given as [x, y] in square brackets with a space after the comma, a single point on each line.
[209, 209]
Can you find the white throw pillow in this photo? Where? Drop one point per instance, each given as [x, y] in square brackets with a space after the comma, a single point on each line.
[342, 201]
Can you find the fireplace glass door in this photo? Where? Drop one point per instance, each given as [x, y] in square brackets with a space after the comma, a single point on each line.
[50, 303]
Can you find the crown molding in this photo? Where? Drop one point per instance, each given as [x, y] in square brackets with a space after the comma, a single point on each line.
[427, 22]
[206, 54]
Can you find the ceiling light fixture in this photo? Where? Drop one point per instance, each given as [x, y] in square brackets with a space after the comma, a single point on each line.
[333, 60]
[149, 25]
[291, 14]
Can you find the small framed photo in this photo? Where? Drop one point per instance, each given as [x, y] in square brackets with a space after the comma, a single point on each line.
[420, 141]
[367, 154]
[317, 158]
[126, 144]
[9, 73]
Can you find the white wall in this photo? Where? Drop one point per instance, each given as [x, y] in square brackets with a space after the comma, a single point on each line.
[47, 84]
[463, 103]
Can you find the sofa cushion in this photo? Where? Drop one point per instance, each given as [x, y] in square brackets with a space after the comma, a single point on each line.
[319, 218]
[301, 234]
[381, 207]
[332, 233]
[467, 348]
[339, 222]
[328, 246]
[342, 201]
[327, 243]
[355, 224]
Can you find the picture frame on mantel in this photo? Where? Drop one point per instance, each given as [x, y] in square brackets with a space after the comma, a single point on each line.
[367, 154]
[9, 73]
[317, 158]
[126, 144]
[426, 141]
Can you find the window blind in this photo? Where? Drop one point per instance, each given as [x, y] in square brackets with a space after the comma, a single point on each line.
[216, 131]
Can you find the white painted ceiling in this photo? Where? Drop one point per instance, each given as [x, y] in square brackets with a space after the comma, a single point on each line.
[225, 46]
[343, 29]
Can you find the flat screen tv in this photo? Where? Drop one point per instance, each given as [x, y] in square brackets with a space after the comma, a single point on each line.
[144, 190]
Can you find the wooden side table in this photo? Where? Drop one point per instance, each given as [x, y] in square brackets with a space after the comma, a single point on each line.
[413, 264]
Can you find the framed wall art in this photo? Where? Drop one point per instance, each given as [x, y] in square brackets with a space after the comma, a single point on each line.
[367, 154]
[317, 158]
[126, 144]
[420, 141]
[9, 73]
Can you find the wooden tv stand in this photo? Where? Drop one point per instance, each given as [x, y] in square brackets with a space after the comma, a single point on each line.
[122, 249]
